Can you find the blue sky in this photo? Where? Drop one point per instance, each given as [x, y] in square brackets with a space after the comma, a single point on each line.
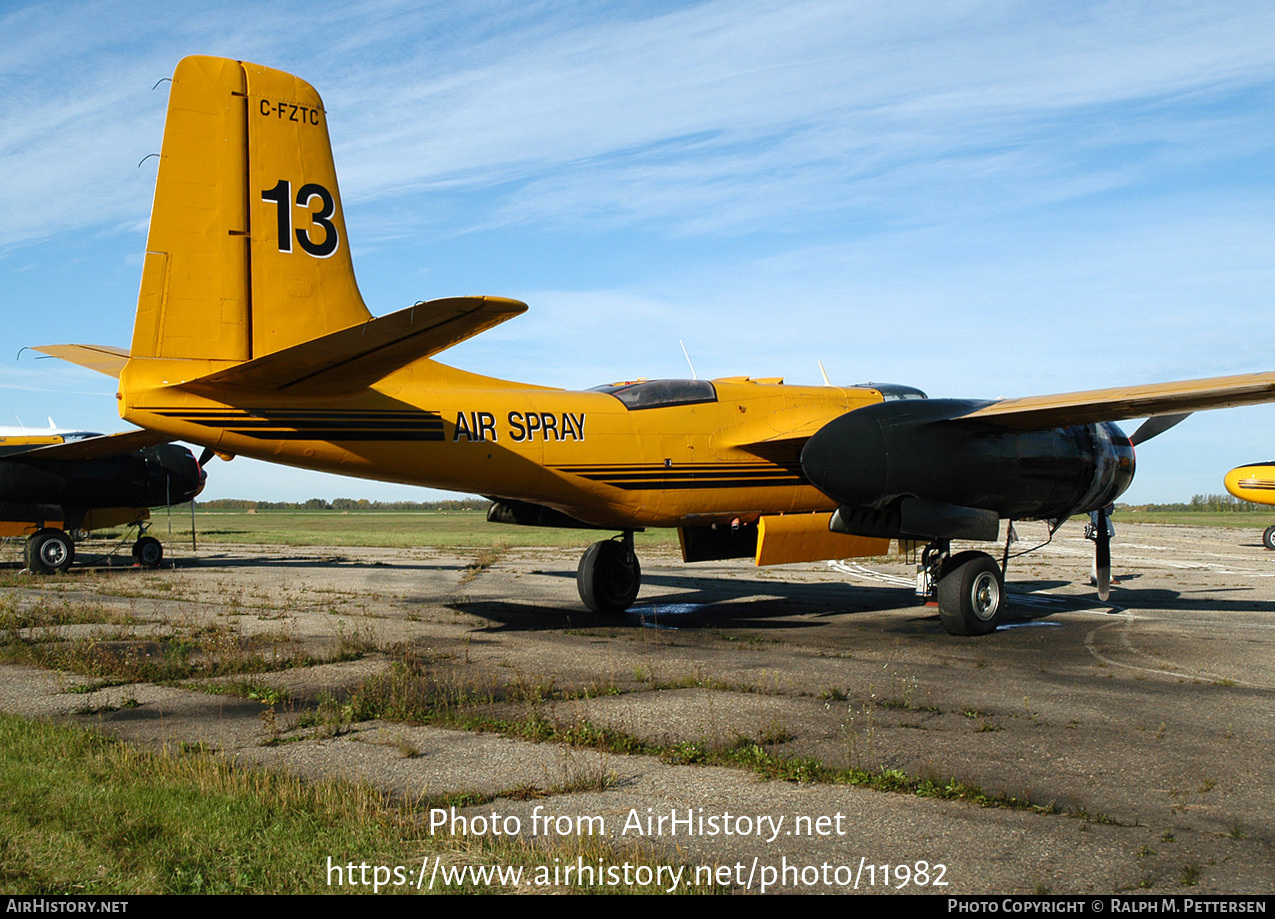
[978, 198]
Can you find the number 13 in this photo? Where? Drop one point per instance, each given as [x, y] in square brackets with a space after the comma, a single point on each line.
[281, 196]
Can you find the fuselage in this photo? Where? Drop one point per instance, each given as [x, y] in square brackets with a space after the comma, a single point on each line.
[704, 453]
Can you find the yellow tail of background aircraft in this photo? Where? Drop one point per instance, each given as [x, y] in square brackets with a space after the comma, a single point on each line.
[1255, 482]
[251, 337]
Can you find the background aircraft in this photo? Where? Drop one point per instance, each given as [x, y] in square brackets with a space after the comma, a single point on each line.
[57, 486]
[1255, 482]
[251, 338]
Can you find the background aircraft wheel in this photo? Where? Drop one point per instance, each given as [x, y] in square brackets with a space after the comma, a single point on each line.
[148, 552]
[1268, 538]
[50, 550]
[971, 594]
[608, 577]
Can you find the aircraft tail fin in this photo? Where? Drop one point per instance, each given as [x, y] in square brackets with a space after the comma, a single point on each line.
[247, 253]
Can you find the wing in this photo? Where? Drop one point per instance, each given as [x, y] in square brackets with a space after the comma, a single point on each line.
[358, 356]
[1121, 402]
[98, 447]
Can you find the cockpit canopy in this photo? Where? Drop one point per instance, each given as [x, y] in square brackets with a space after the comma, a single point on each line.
[891, 392]
[659, 393]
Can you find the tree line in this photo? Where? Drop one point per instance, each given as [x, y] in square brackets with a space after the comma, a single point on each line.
[345, 504]
[1212, 504]
[1199, 504]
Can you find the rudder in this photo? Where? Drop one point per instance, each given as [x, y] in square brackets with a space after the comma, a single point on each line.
[247, 252]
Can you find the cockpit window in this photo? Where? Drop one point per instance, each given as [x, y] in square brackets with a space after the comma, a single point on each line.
[891, 392]
[659, 393]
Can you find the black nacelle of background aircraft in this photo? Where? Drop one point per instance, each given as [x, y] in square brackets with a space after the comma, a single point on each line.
[56, 492]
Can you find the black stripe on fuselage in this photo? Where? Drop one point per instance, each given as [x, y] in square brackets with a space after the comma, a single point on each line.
[335, 425]
[698, 475]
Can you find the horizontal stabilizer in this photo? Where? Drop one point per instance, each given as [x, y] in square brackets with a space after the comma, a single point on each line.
[101, 358]
[358, 356]
[1123, 402]
[100, 446]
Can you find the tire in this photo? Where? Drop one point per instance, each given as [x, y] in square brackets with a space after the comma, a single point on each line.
[148, 552]
[1268, 538]
[971, 594]
[608, 577]
[50, 551]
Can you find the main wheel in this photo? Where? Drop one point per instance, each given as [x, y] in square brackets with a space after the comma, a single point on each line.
[148, 552]
[609, 577]
[1268, 538]
[49, 551]
[971, 594]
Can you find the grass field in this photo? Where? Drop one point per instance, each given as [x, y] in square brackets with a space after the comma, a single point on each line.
[1255, 520]
[394, 529]
[459, 529]
[85, 814]
[470, 529]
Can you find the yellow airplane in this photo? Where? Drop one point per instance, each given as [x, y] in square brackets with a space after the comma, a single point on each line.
[1254, 482]
[251, 338]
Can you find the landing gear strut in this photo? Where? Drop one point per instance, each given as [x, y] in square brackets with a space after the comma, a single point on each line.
[609, 575]
[969, 587]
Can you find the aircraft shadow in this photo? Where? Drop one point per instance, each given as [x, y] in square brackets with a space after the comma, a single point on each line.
[1175, 601]
[693, 602]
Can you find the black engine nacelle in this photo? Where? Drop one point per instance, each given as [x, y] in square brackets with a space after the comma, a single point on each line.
[876, 457]
[150, 477]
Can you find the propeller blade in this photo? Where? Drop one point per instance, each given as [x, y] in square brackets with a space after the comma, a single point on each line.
[209, 453]
[1102, 556]
[1157, 425]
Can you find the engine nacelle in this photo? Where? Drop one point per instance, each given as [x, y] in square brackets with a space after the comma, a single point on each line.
[174, 476]
[1254, 482]
[150, 477]
[876, 457]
